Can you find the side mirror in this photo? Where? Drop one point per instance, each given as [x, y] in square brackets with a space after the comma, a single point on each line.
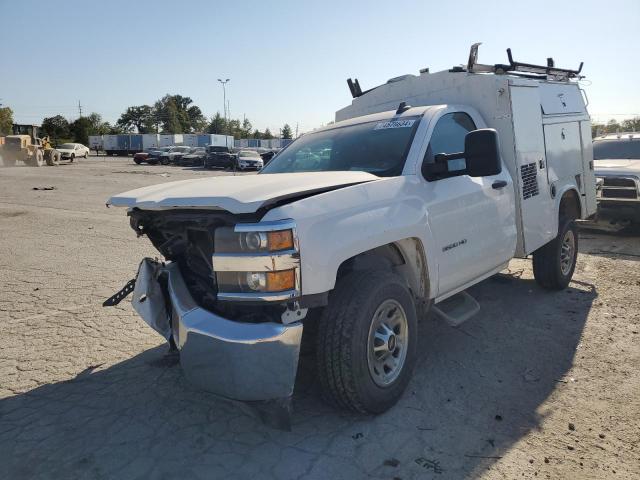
[482, 153]
[481, 158]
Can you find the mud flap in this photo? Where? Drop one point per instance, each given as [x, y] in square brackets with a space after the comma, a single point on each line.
[149, 298]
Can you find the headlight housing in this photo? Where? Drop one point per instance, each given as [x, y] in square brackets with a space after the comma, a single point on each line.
[258, 261]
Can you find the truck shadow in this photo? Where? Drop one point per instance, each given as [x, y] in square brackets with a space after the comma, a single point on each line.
[476, 391]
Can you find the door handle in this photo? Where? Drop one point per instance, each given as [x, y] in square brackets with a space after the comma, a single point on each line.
[499, 184]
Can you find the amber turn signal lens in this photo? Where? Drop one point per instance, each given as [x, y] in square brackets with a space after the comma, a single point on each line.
[281, 240]
[280, 281]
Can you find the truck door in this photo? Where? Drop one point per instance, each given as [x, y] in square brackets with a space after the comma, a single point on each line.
[472, 218]
[538, 220]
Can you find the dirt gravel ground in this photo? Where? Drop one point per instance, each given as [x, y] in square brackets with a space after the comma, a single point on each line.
[537, 385]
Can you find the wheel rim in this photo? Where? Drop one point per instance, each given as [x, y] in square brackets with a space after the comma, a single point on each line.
[387, 343]
[567, 252]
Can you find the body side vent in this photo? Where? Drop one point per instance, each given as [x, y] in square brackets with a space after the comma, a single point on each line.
[529, 176]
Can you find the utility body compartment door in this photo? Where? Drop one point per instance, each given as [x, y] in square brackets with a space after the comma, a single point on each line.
[564, 153]
[538, 221]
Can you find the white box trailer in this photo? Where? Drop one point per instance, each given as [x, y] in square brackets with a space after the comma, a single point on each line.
[190, 139]
[170, 139]
[110, 143]
[221, 140]
[545, 134]
[150, 140]
[95, 142]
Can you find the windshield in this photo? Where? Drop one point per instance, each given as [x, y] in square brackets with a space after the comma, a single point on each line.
[248, 153]
[67, 146]
[379, 147]
[616, 149]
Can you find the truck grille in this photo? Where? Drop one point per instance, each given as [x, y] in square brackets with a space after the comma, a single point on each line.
[529, 175]
[619, 187]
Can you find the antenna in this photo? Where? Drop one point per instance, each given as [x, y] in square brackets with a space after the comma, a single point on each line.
[80, 108]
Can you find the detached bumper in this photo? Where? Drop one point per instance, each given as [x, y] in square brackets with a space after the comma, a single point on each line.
[241, 361]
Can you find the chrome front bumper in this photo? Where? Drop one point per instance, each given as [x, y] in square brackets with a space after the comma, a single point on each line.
[241, 361]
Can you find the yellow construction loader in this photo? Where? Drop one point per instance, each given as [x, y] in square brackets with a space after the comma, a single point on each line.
[26, 146]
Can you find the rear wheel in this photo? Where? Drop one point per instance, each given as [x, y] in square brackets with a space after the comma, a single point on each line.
[366, 343]
[137, 160]
[555, 262]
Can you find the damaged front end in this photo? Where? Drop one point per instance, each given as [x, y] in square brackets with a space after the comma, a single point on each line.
[226, 297]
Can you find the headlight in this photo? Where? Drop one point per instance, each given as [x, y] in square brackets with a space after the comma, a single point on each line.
[257, 261]
[227, 240]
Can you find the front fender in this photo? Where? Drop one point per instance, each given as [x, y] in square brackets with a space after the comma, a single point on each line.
[337, 225]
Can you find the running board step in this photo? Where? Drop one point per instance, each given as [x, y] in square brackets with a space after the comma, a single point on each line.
[457, 309]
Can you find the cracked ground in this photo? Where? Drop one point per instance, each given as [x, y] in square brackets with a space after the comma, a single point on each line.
[537, 385]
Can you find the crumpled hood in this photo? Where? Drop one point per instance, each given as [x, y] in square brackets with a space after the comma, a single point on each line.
[617, 167]
[237, 194]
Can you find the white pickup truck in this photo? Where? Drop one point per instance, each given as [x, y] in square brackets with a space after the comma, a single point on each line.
[617, 171]
[354, 231]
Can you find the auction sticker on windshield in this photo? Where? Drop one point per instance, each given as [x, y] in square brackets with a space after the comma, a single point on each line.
[394, 124]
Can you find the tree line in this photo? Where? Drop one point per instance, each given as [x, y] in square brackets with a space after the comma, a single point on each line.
[613, 126]
[170, 114]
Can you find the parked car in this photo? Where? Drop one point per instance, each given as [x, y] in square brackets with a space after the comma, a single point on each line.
[249, 159]
[146, 156]
[71, 151]
[617, 169]
[194, 158]
[174, 154]
[156, 155]
[268, 156]
[220, 157]
[357, 230]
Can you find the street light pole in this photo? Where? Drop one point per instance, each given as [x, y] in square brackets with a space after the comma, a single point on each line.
[226, 122]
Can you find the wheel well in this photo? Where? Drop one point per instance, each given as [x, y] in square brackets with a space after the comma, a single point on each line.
[405, 258]
[570, 205]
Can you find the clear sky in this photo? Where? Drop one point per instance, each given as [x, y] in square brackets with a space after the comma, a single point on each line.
[288, 61]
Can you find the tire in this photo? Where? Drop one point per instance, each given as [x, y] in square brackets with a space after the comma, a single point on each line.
[555, 262]
[164, 160]
[38, 159]
[86, 154]
[137, 161]
[53, 158]
[72, 158]
[349, 378]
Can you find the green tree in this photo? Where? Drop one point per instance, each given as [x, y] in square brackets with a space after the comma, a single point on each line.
[286, 131]
[246, 128]
[6, 121]
[217, 125]
[55, 127]
[612, 126]
[267, 135]
[197, 120]
[178, 115]
[234, 128]
[141, 118]
[80, 130]
[256, 134]
[631, 125]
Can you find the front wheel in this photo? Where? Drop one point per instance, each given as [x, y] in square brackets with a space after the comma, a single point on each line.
[38, 159]
[86, 154]
[555, 262]
[72, 158]
[366, 342]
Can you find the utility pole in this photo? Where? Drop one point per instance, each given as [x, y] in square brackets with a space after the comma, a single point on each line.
[296, 130]
[226, 123]
[80, 108]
